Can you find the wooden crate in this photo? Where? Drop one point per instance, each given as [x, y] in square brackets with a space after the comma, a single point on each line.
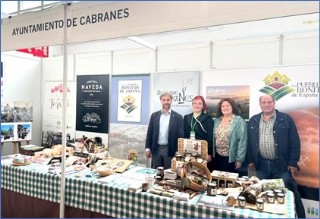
[224, 179]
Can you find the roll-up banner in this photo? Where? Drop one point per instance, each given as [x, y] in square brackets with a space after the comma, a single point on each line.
[53, 105]
[183, 86]
[92, 103]
[130, 99]
[296, 90]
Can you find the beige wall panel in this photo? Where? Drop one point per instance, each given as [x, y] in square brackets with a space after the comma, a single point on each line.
[246, 54]
[301, 51]
[136, 18]
[194, 57]
[91, 64]
[138, 61]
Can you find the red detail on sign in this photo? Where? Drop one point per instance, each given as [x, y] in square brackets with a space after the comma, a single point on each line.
[42, 51]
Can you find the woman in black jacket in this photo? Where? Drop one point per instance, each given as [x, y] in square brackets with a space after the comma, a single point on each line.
[199, 125]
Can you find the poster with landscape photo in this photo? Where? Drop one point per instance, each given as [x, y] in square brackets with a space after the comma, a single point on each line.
[16, 121]
[7, 112]
[23, 111]
[7, 132]
[23, 131]
[241, 94]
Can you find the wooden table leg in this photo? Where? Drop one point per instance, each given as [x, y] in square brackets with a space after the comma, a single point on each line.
[15, 146]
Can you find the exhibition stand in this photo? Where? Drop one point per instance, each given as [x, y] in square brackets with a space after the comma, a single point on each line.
[36, 193]
[207, 66]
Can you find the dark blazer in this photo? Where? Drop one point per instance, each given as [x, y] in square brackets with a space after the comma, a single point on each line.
[201, 134]
[286, 139]
[175, 132]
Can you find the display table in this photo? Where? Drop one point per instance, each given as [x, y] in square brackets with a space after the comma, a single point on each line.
[15, 145]
[103, 198]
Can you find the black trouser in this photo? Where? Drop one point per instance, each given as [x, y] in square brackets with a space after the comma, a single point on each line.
[222, 163]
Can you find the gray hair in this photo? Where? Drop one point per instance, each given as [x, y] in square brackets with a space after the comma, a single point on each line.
[267, 95]
[166, 94]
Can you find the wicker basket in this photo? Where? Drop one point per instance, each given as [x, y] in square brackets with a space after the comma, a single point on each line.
[104, 171]
[204, 147]
[188, 183]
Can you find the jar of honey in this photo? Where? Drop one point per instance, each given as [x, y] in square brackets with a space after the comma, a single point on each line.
[212, 189]
[260, 204]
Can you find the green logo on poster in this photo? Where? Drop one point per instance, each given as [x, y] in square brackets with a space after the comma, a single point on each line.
[128, 104]
[276, 85]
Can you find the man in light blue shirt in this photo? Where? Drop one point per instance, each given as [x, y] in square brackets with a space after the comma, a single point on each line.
[165, 127]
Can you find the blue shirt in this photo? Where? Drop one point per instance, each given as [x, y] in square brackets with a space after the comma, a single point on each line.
[164, 128]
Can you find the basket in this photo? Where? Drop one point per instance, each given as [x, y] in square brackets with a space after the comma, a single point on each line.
[105, 171]
[188, 182]
[203, 144]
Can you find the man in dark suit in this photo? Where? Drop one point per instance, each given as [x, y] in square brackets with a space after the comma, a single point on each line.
[165, 127]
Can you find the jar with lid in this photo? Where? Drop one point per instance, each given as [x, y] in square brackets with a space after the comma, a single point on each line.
[160, 171]
[241, 201]
[276, 191]
[246, 178]
[280, 198]
[229, 184]
[179, 169]
[222, 184]
[270, 197]
[179, 157]
[145, 186]
[212, 189]
[157, 179]
[260, 204]
[199, 160]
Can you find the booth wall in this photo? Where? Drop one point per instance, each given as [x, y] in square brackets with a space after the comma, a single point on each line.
[237, 53]
[86, 64]
[301, 50]
[22, 82]
[52, 69]
[134, 62]
[240, 54]
[244, 53]
[184, 57]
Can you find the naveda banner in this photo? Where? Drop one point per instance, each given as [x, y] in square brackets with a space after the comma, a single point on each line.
[92, 103]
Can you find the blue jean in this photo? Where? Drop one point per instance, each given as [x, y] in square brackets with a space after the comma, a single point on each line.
[267, 169]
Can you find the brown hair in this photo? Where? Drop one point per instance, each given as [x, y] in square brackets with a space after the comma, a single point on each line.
[234, 105]
[166, 94]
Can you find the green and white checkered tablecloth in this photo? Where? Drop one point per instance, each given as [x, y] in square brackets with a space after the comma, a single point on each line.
[113, 200]
[31, 183]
